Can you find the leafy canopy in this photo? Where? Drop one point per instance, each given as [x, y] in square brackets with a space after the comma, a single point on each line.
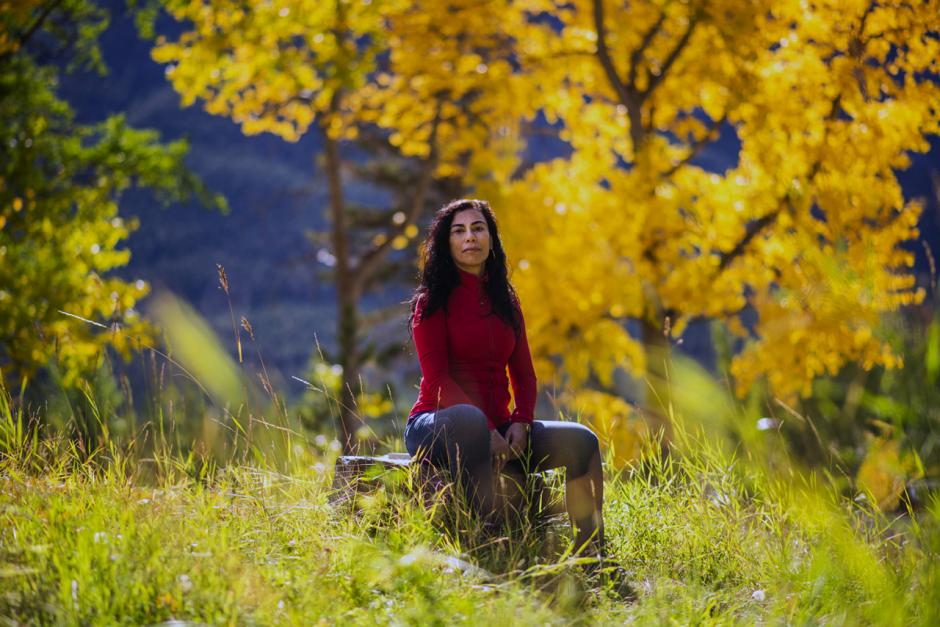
[798, 247]
[60, 187]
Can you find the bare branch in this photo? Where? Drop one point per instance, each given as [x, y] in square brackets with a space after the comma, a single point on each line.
[371, 259]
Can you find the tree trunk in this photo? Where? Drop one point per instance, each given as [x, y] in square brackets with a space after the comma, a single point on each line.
[657, 398]
[347, 315]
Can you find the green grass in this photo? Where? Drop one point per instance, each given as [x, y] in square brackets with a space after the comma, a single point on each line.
[110, 536]
[194, 512]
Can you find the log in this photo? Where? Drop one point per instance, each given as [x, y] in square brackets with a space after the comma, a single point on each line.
[358, 474]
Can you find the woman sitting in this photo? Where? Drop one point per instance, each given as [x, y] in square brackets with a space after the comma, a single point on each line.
[468, 327]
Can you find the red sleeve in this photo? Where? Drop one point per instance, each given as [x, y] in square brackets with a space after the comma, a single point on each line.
[522, 377]
[431, 343]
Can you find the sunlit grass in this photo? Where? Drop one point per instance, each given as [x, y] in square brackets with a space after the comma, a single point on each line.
[218, 511]
[111, 537]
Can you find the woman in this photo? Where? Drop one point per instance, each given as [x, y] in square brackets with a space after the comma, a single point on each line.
[468, 327]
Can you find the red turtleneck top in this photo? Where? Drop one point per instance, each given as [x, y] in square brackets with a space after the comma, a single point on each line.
[464, 354]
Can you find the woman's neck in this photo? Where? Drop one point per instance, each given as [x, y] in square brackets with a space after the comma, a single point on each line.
[476, 271]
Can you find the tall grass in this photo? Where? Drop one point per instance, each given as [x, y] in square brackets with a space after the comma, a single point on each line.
[708, 536]
[216, 508]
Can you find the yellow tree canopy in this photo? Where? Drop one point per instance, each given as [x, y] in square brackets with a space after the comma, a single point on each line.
[433, 72]
[454, 61]
[274, 66]
[805, 231]
[802, 237]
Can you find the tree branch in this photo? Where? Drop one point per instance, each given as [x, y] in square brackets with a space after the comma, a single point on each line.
[654, 80]
[603, 54]
[765, 221]
[753, 229]
[697, 147]
[636, 55]
[627, 95]
[561, 54]
[371, 259]
[21, 40]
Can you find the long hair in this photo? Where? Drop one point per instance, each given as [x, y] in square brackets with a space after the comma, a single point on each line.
[440, 276]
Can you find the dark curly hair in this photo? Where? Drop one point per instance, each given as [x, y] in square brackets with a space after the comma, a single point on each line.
[440, 275]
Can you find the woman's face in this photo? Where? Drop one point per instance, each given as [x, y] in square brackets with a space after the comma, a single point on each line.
[469, 240]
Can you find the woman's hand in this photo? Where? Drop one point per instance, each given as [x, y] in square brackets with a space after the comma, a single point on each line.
[500, 451]
[517, 436]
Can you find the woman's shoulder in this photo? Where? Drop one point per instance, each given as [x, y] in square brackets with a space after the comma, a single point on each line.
[514, 300]
[421, 303]
[426, 306]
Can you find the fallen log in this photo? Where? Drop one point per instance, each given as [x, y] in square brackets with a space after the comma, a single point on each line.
[540, 494]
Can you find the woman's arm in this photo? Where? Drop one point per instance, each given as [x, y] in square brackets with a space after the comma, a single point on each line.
[431, 343]
[522, 376]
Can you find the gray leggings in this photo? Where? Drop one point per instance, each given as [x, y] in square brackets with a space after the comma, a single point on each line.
[458, 438]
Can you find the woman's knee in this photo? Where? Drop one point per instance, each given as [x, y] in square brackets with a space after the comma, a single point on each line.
[466, 422]
[588, 439]
[586, 446]
[573, 437]
[561, 443]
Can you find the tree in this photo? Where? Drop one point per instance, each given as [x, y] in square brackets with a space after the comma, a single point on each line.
[338, 67]
[798, 247]
[60, 187]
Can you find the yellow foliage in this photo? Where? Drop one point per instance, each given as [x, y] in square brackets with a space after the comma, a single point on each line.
[884, 472]
[805, 230]
[823, 121]
[621, 432]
